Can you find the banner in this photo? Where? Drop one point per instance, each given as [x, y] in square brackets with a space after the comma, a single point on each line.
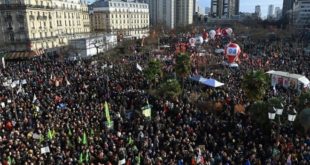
[146, 110]
[45, 150]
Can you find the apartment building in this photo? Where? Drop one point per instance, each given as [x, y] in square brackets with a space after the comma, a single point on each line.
[32, 25]
[121, 17]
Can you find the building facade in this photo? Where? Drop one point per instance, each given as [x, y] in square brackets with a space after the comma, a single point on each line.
[120, 17]
[166, 13]
[287, 6]
[224, 8]
[258, 11]
[270, 13]
[278, 13]
[29, 25]
[184, 12]
[301, 14]
[153, 8]
[171, 13]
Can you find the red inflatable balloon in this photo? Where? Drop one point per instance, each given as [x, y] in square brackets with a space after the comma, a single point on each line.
[232, 52]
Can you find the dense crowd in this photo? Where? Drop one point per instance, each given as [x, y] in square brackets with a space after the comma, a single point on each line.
[56, 113]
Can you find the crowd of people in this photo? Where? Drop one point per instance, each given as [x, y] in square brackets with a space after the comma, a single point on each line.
[53, 112]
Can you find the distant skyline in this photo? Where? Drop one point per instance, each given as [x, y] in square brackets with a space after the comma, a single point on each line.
[249, 5]
[245, 5]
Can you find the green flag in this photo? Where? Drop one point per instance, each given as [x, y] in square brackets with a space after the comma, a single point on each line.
[87, 157]
[69, 132]
[81, 158]
[11, 161]
[138, 159]
[107, 113]
[92, 133]
[130, 141]
[84, 139]
[49, 134]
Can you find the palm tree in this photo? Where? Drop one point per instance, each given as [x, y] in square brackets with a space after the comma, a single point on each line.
[182, 67]
[304, 100]
[153, 71]
[255, 84]
[170, 89]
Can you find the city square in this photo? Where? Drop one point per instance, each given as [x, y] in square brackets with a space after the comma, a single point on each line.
[121, 82]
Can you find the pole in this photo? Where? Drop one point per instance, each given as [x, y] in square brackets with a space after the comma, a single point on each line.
[14, 103]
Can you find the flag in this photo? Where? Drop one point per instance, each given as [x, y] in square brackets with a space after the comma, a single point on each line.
[84, 139]
[92, 133]
[52, 77]
[139, 67]
[87, 157]
[20, 89]
[130, 141]
[3, 62]
[107, 113]
[34, 98]
[11, 161]
[146, 111]
[81, 158]
[49, 134]
[67, 81]
[69, 132]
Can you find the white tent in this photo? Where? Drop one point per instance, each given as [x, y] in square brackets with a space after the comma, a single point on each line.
[289, 77]
[210, 82]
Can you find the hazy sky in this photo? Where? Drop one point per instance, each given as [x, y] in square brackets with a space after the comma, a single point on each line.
[246, 5]
[249, 5]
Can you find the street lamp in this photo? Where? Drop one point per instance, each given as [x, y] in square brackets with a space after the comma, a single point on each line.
[278, 111]
[272, 114]
[292, 115]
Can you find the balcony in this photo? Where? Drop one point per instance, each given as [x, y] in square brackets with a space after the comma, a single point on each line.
[31, 17]
[41, 17]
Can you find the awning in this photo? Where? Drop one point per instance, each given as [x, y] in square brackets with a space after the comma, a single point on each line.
[24, 54]
[301, 78]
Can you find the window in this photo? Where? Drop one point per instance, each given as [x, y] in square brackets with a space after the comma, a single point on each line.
[12, 37]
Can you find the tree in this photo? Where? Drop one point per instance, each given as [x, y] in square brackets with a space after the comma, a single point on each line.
[259, 112]
[255, 84]
[275, 102]
[182, 67]
[153, 70]
[304, 119]
[170, 89]
[304, 100]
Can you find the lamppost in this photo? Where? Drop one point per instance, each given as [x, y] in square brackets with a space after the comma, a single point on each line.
[278, 112]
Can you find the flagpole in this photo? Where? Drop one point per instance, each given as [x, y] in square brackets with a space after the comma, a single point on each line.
[14, 103]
